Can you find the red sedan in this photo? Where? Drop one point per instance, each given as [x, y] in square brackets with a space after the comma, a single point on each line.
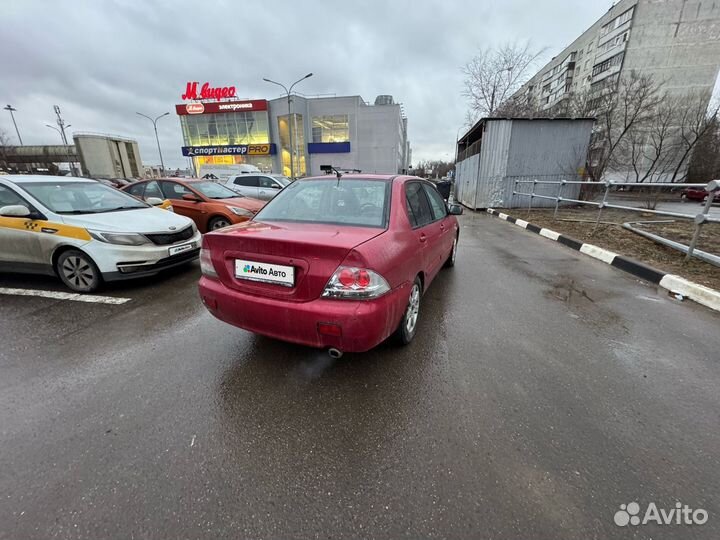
[697, 194]
[332, 263]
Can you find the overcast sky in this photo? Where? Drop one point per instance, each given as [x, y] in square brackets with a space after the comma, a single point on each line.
[101, 61]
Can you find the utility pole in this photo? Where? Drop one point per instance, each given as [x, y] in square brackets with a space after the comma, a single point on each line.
[67, 147]
[11, 110]
[62, 126]
[157, 139]
[290, 119]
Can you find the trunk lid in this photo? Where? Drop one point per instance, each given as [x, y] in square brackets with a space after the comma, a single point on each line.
[313, 250]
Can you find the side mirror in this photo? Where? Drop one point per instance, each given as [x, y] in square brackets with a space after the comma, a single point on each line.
[190, 197]
[455, 210]
[154, 201]
[15, 210]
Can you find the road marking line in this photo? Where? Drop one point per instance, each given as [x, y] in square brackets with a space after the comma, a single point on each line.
[64, 296]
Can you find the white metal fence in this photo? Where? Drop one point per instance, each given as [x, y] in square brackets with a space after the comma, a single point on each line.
[540, 187]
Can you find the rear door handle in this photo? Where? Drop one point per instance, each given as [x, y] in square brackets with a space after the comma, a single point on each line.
[423, 238]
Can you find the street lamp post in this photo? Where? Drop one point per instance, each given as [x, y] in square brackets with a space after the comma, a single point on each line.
[157, 139]
[290, 130]
[67, 146]
[11, 110]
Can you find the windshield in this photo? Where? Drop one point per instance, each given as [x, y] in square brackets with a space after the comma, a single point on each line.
[80, 197]
[214, 191]
[361, 202]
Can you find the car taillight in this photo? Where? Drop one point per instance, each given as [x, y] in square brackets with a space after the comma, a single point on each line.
[355, 283]
[206, 265]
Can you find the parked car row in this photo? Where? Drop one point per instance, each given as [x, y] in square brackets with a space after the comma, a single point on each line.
[336, 263]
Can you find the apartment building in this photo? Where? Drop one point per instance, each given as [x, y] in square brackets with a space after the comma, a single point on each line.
[675, 41]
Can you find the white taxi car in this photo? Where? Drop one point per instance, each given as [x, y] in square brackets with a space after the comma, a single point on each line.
[86, 233]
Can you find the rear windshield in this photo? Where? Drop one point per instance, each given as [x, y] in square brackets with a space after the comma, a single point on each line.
[356, 201]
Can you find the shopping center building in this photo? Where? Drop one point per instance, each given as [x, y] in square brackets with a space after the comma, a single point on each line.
[345, 132]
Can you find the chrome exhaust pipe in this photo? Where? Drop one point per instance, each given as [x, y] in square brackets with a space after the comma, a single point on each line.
[334, 353]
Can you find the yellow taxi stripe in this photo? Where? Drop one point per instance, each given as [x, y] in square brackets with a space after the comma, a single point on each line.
[37, 225]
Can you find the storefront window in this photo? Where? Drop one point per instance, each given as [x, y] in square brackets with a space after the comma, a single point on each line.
[298, 144]
[225, 129]
[331, 128]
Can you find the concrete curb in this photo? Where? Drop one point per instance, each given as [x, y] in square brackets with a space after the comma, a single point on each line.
[699, 293]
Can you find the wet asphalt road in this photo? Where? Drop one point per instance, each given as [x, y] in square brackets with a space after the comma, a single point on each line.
[543, 390]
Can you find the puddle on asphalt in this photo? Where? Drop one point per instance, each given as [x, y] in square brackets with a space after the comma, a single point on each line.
[582, 304]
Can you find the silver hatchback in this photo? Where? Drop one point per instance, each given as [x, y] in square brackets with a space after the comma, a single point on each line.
[258, 186]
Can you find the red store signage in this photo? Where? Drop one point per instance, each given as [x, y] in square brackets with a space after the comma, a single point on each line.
[221, 107]
[207, 92]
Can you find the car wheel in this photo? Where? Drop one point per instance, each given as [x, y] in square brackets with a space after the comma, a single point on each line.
[218, 223]
[78, 271]
[683, 198]
[451, 259]
[408, 325]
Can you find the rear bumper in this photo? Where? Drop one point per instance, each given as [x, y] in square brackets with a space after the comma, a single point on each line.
[364, 324]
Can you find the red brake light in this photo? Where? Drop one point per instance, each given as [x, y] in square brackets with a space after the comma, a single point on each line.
[347, 277]
[363, 278]
[359, 283]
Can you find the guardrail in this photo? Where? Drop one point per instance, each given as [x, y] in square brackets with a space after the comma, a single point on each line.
[699, 219]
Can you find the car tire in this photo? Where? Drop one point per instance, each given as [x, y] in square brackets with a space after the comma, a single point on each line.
[218, 223]
[408, 324]
[78, 271]
[451, 258]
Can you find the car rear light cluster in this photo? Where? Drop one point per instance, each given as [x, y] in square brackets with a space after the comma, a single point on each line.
[206, 265]
[355, 283]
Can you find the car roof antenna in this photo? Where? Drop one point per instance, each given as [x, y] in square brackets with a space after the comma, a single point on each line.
[327, 169]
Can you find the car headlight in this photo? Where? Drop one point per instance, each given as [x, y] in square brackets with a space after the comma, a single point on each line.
[123, 239]
[240, 211]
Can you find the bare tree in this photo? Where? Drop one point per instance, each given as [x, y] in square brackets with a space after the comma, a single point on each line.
[704, 164]
[494, 74]
[695, 119]
[4, 142]
[618, 113]
[650, 145]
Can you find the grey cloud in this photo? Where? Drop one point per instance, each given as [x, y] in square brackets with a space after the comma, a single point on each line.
[102, 61]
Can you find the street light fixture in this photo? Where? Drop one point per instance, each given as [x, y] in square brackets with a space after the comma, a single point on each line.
[11, 110]
[290, 129]
[157, 139]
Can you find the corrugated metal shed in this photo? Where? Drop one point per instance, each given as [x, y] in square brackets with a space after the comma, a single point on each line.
[496, 152]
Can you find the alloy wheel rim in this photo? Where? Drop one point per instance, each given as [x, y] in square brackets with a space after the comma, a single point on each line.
[219, 224]
[78, 271]
[413, 309]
